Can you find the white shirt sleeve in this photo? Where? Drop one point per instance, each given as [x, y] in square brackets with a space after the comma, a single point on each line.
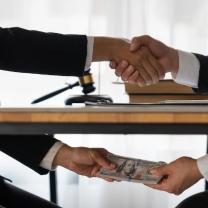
[188, 72]
[47, 161]
[202, 163]
[90, 45]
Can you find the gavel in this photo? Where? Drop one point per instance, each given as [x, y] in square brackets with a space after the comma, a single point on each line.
[87, 83]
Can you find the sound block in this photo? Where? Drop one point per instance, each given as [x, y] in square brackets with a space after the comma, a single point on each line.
[88, 98]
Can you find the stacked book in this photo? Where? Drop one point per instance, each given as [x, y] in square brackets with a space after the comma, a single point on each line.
[164, 90]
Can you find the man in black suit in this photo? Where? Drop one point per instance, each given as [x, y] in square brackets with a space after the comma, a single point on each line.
[67, 55]
[187, 69]
[30, 150]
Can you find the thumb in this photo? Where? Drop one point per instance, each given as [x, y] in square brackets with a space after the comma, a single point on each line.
[161, 171]
[101, 160]
[137, 42]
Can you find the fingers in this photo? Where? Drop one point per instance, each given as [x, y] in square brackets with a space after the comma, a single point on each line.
[161, 171]
[106, 179]
[120, 68]
[144, 69]
[134, 77]
[131, 75]
[151, 71]
[113, 64]
[141, 82]
[127, 73]
[158, 67]
[169, 182]
[162, 186]
[95, 173]
[153, 74]
[101, 159]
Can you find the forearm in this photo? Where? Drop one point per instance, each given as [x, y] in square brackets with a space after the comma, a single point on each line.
[43, 53]
[27, 149]
[106, 49]
[62, 157]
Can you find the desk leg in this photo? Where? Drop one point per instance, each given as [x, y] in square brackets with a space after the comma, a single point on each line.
[206, 183]
[53, 187]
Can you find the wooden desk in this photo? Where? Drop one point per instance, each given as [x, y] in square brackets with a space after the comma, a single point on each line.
[170, 119]
[104, 120]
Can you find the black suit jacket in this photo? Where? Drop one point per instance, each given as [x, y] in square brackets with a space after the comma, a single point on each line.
[43, 53]
[203, 74]
[27, 149]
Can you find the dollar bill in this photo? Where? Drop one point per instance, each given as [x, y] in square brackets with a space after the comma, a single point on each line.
[132, 170]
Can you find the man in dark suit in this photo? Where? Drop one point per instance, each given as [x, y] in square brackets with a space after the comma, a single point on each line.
[187, 69]
[67, 55]
[31, 149]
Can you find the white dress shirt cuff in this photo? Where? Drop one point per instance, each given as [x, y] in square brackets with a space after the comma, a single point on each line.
[47, 161]
[202, 163]
[188, 72]
[90, 45]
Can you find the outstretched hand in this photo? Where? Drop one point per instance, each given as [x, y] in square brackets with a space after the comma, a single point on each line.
[179, 175]
[83, 161]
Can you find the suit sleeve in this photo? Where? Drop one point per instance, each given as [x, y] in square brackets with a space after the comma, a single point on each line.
[203, 75]
[42, 53]
[29, 150]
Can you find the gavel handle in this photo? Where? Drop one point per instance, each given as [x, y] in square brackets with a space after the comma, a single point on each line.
[52, 94]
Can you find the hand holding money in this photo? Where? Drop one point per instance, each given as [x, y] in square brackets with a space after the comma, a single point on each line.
[132, 170]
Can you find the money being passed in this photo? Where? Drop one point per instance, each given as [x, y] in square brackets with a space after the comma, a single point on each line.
[132, 170]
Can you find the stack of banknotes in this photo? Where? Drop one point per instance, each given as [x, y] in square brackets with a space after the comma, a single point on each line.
[132, 170]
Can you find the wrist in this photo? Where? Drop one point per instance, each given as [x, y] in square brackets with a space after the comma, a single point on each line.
[62, 156]
[174, 62]
[106, 49]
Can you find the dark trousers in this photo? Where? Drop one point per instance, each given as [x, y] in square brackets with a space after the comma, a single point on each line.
[199, 200]
[11, 196]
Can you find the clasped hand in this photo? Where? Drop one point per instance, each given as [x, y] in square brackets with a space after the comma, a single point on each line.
[153, 60]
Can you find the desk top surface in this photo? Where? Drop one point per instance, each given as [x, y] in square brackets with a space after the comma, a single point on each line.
[175, 114]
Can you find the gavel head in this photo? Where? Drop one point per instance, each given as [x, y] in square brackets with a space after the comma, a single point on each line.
[87, 83]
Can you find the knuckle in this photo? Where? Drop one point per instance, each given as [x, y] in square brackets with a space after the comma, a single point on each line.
[134, 39]
[148, 79]
[131, 80]
[153, 73]
[145, 51]
[116, 73]
[171, 190]
[177, 192]
[140, 83]
[123, 78]
[146, 37]
[184, 158]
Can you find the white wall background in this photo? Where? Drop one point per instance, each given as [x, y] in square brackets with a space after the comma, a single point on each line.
[180, 23]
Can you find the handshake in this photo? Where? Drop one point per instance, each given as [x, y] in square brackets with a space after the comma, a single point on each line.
[144, 61]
